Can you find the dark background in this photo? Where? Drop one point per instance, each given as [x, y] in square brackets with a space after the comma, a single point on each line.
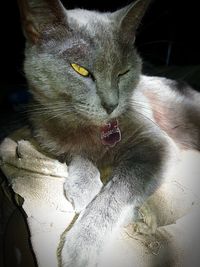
[169, 24]
[167, 40]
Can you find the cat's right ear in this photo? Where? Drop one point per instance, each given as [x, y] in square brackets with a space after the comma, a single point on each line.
[129, 18]
[41, 16]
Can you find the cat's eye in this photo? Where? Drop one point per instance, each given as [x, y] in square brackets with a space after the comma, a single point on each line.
[80, 70]
[123, 73]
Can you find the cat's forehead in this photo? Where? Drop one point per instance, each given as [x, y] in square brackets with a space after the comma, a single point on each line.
[93, 34]
[87, 18]
[94, 28]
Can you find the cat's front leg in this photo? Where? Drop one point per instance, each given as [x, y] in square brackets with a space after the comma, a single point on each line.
[132, 181]
[83, 182]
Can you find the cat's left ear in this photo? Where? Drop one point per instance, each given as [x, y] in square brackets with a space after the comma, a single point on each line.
[129, 18]
[39, 17]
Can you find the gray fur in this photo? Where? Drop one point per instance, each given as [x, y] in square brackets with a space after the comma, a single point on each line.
[84, 174]
[69, 110]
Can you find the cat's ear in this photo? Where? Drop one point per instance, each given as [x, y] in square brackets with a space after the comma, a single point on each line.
[39, 16]
[129, 18]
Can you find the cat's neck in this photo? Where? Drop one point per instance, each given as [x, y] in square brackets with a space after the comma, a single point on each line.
[60, 138]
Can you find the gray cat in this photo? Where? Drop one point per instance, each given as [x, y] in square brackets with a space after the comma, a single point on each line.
[89, 97]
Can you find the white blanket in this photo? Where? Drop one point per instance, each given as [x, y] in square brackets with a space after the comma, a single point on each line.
[167, 234]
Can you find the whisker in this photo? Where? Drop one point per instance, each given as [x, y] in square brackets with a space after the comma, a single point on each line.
[149, 119]
[155, 42]
[138, 105]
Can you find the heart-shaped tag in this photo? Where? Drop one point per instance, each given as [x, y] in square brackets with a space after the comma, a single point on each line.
[110, 134]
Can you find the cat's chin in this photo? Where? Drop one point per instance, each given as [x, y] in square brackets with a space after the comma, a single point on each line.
[101, 122]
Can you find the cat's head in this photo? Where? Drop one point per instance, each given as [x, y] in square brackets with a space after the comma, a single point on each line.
[80, 63]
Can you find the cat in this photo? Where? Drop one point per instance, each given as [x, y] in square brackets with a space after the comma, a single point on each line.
[89, 99]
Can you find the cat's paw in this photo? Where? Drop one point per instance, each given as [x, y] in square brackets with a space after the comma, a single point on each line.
[79, 249]
[83, 183]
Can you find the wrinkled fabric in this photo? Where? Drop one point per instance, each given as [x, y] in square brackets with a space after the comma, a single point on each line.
[165, 235]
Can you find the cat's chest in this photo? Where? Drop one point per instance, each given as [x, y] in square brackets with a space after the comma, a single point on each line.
[86, 141]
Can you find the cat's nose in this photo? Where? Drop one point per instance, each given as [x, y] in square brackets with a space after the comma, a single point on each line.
[109, 107]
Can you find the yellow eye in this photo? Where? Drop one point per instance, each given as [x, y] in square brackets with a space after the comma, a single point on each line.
[80, 70]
